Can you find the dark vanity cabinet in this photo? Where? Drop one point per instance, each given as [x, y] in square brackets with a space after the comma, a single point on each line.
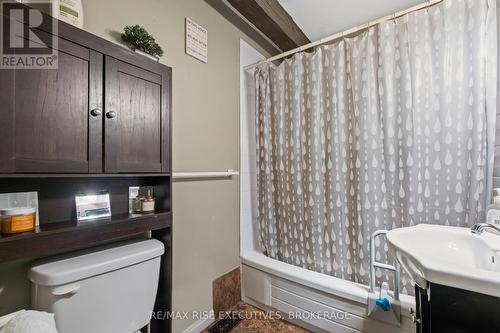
[444, 309]
[98, 122]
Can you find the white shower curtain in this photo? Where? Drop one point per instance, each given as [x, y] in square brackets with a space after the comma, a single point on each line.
[392, 128]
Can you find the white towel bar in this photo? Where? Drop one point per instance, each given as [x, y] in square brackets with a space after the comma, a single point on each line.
[205, 174]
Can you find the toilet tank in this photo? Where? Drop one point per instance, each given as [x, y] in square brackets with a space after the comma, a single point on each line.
[108, 289]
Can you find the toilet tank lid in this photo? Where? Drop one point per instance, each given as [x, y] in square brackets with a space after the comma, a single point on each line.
[75, 266]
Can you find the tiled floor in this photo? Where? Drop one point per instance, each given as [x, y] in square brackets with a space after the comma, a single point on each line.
[258, 321]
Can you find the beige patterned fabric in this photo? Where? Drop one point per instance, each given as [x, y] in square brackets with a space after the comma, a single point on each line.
[392, 128]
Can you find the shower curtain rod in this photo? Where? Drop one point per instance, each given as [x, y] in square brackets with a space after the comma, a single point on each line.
[348, 32]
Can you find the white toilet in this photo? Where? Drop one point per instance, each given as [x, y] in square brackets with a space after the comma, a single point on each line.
[109, 289]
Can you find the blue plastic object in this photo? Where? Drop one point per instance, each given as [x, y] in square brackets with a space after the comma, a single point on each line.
[383, 303]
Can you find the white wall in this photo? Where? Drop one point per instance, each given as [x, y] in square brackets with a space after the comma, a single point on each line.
[248, 55]
[321, 18]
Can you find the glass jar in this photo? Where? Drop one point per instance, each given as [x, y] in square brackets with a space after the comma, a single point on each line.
[16, 220]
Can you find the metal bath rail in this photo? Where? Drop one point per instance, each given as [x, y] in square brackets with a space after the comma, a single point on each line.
[374, 264]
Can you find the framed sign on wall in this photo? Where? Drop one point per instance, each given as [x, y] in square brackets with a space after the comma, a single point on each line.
[196, 40]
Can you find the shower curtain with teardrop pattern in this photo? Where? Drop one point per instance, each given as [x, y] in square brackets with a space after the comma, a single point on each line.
[389, 129]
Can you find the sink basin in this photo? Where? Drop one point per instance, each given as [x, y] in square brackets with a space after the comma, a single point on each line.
[448, 256]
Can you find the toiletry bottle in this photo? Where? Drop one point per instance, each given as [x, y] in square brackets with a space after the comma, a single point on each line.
[493, 210]
[383, 300]
[148, 203]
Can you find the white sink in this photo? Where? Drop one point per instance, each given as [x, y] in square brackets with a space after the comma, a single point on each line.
[448, 256]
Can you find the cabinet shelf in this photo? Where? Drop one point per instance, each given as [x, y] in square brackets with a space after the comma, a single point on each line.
[61, 237]
[82, 175]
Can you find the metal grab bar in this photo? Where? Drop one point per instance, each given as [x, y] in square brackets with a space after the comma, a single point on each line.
[374, 264]
[205, 174]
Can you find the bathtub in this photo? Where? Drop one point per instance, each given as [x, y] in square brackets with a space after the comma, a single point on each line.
[272, 285]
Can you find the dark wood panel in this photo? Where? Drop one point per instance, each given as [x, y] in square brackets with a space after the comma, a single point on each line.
[139, 121]
[163, 302]
[7, 94]
[445, 309]
[273, 21]
[138, 72]
[46, 115]
[52, 106]
[166, 133]
[41, 165]
[63, 45]
[236, 20]
[79, 175]
[56, 196]
[96, 91]
[133, 137]
[69, 236]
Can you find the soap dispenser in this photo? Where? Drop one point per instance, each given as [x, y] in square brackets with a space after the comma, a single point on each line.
[493, 211]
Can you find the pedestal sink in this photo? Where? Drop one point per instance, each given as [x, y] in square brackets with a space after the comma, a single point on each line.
[448, 256]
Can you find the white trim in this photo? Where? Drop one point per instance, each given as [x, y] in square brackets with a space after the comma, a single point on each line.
[200, 325]
[248, 55]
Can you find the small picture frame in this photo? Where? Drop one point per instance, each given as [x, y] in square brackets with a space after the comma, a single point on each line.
[196, 40]
[92, 206]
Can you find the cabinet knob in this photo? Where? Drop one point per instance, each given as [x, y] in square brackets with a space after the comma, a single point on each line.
[95, 112]
[111, 114]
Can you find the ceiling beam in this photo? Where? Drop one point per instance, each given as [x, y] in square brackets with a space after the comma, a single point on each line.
[273, 21]
[241, 23]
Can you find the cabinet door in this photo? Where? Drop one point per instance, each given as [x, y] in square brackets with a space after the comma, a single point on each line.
[422, 317]
[47, 124]
[136, 121]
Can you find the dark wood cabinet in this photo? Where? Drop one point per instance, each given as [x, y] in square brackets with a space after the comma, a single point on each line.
[135, 126]
[46, 125]
[56, 121]
[444, 309]
[99, 121]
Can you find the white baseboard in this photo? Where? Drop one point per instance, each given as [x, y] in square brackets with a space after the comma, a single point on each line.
[200, 325]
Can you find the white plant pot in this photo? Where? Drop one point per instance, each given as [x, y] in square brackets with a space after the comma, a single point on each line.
[152, 57]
